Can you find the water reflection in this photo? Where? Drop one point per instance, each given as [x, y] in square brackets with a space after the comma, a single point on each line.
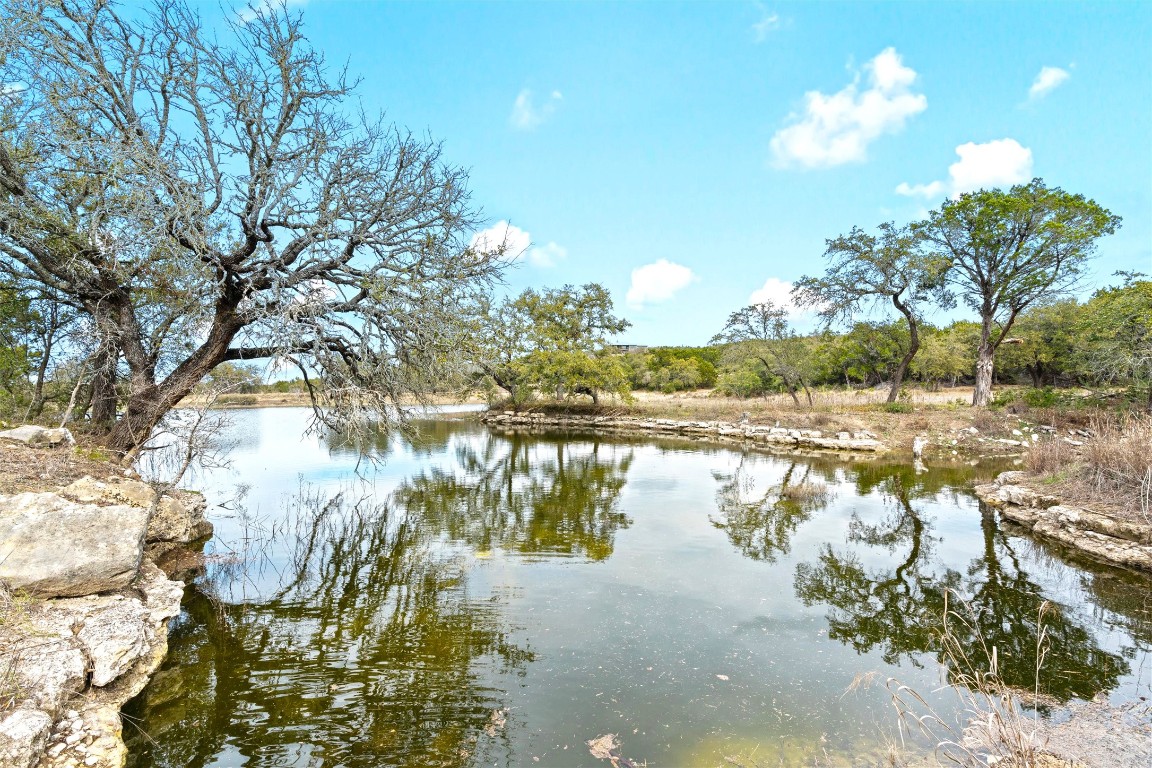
[370, 651]
[898, 608]
[761, 525]
[529, 495]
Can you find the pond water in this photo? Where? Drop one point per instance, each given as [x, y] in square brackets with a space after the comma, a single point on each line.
[475, 598]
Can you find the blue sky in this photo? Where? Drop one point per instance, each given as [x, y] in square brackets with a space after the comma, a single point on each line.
[692, 157]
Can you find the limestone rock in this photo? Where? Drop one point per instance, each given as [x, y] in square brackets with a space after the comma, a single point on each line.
[50, 546]
[23, 736]
[48, 669]
[179, 520]
[36, 436]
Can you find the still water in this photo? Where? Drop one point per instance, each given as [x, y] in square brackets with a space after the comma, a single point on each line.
[475, 598]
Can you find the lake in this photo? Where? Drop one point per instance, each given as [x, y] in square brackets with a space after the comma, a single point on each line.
[472, 598]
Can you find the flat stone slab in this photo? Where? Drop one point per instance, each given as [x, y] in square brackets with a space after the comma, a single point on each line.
[53, 547]
[33, 435]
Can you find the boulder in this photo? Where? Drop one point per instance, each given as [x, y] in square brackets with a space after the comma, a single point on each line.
[23, 735]
[53, 547]
[177, 520]
[36, 436]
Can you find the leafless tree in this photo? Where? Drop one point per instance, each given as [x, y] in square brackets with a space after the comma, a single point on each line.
[209, 199]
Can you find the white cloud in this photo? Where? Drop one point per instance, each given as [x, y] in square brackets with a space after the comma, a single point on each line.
[502, 237]
[548, 255]
[932, 189]
[527, 115]
[516, 245]
[998, 163]
[658, 281]
[779, 293]
[1048, 79]
[837, 129]
[769, 22]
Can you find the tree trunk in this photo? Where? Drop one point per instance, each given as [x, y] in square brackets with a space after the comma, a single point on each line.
[792, 390]
[807, 392]
[985, 358]
[913, 347]
[103, 399]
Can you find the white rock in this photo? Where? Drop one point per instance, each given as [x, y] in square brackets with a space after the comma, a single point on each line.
[50, 546]
[23, 736]
[33, 435]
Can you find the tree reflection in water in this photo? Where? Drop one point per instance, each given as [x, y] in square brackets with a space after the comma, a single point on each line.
[761, 525]
[369, 652]
[533, 495]
[899, 609]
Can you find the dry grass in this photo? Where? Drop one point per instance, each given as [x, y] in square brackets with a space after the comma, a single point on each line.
[1118, 462]
[1049, 456]
[1111, 473]
[998, 731]
[13, 626]
[42, 469]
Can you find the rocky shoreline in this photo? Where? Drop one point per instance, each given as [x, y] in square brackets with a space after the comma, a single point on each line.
[722, 431]
[1119, 542]
[89, 588]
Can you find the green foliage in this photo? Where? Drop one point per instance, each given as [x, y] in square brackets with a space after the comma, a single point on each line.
[1045, 397]
[553, 341]
[674, 369]
[760, 334]
[1115, 333]
[898, 407]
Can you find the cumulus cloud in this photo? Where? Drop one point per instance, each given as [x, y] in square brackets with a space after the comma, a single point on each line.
[837, 129]
[527, 114]
[1048, 79]
[779, 293]
[998, 163]
[516, 245]
[658, 281]
[769, 22]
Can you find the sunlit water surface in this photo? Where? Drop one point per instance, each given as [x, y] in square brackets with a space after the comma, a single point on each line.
[477, 598]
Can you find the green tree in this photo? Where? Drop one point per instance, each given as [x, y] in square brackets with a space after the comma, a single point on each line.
[761, 332]
[209, 197]
[866, 269]
[1045, 341]
[553, 340]
[947, 353]
[1011, 249]
[1116, 334]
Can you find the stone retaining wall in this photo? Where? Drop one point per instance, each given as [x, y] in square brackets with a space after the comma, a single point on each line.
[1121, 542]
[723, 430]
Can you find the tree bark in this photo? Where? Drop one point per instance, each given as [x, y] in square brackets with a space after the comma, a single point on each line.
[985, 359]
[913, 347]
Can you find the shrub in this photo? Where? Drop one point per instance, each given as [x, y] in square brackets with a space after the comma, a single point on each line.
[1119, 461]
[1041, 398]
[898, 407]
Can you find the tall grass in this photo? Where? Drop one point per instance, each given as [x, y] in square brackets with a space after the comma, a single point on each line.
[1118, 461]
[998, 730]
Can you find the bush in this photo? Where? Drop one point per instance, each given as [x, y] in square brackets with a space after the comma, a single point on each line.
[1119, 461]
[898, 407]
[1041, 398]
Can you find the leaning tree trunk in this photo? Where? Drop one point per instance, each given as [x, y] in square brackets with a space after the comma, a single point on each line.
[913, 347]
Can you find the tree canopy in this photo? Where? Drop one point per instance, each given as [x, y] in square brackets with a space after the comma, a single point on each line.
[1010, 249]
[209, 199]
[888, 267]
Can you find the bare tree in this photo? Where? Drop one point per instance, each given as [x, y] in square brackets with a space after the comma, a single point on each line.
[206, 200]
[865, 269]
[1009, 250]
